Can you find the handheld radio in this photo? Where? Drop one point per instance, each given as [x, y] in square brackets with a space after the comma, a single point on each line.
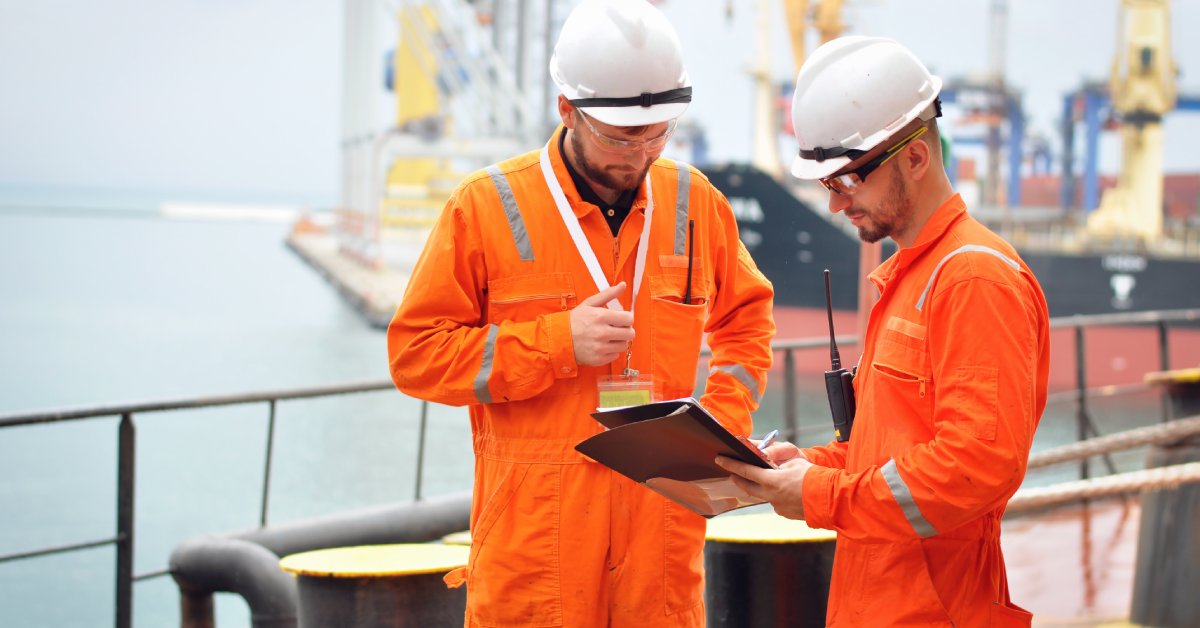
[839, 382]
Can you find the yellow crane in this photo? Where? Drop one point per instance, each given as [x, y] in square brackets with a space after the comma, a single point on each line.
[1142, 88]
[412, 196]
[824, 15]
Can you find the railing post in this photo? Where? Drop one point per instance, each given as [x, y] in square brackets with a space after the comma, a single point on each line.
[421, 449]
[1081, 401]
[1164, 364]
[791, 420]
[126, 438]
[266, 489]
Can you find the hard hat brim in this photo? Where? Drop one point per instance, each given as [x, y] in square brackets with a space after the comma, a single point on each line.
[636, 116]
[811, 169]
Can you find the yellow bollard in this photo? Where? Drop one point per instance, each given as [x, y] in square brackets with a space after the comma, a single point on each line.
[378, 586]
[763, 570]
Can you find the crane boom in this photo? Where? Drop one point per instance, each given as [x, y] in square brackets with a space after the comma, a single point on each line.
[1143, 89]
[826, 18]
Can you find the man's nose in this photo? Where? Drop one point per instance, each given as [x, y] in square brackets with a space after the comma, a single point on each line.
[838, 202]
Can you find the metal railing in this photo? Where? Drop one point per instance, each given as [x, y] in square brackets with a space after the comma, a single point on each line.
[1085, 426]
[124, 539]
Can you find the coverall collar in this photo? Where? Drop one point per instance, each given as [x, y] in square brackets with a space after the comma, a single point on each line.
[950, 212]
[578, 205]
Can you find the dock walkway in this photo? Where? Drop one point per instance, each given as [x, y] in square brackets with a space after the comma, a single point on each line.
[1074, 565]
[374, 292]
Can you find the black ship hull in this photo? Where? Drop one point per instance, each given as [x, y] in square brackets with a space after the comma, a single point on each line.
[792, 244]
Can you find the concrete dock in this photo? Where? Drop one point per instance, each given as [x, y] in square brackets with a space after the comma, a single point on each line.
[373, 289]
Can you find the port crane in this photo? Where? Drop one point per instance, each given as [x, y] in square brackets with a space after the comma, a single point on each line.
[1142, 87]
[455, 54]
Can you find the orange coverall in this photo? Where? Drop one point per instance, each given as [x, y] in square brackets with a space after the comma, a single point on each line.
[558, 539]
[950, 388]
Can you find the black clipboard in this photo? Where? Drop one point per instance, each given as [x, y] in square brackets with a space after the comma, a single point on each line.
[669, 446]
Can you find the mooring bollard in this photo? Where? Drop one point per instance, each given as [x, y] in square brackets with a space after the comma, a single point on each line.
[462, 537]
[379, 586]
[1183, 390]
[763, 570]
[1167, 569]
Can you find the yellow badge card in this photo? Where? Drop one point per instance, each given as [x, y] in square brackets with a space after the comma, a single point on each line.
[619, 391]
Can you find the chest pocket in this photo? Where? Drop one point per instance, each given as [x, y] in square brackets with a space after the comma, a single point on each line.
[677, 328]
[901, 372]
[525, 297]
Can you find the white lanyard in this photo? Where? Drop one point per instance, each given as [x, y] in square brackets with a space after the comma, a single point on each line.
[581, 243]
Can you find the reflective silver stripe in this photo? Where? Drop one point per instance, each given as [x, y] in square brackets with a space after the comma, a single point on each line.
[740, 373]
[515, 222]
[904, 498]
[485, 370]
[966, 248]
[681, 208]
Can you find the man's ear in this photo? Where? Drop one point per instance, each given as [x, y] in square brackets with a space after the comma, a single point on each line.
[566, 111]
[917, 158]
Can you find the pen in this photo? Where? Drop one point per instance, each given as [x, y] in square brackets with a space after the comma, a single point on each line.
[687, 294]
[767, 440]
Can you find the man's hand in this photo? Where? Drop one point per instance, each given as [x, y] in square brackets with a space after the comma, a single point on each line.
[780, 453]
[600, 334]
[783, 487]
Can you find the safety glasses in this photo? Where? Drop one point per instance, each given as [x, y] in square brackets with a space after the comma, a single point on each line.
[847, 183]
[618, 146]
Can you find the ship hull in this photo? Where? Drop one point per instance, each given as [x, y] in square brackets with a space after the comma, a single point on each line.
[792, 244]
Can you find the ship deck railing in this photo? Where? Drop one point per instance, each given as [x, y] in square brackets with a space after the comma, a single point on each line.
[124, 539]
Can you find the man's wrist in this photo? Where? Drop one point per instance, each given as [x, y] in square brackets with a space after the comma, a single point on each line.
[561, 346]
[815, 495]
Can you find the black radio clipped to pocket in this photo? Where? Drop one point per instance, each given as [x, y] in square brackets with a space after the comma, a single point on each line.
[839, 382]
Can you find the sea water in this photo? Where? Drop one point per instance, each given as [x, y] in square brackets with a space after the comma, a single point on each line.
[113, 306]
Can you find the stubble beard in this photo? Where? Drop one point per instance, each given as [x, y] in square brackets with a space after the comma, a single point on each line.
[891, 217]
[598, 175]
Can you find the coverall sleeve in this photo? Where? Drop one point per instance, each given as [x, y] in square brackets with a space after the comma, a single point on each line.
[830, 455]
[984, 345]
[440, 347]
[740, 328]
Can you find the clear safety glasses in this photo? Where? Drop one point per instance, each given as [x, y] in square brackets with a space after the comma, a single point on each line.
[847, 183]
[614, 145]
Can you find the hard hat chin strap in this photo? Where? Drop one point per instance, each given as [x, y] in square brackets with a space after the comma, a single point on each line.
[820, 154]
[646, 99]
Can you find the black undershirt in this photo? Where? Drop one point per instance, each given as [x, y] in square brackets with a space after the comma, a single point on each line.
[615, 213]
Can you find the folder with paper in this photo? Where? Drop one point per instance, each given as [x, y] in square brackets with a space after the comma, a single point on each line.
[669, 446]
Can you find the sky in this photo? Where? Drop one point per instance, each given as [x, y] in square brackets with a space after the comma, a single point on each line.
[240, 100]
[233, 98]
[1052, 47]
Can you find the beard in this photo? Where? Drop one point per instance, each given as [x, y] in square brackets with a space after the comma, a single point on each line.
[891, 216]
[618, 181]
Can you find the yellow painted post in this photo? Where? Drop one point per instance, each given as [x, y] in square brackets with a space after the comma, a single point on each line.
[765, 570]
[379, 586]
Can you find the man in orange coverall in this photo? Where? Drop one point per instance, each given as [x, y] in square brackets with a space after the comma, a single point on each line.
[552, 271]
[952, 379]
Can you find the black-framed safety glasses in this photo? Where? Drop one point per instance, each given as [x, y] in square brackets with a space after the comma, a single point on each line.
[847, 183]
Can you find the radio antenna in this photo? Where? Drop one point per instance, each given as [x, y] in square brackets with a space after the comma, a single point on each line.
[839, 382]
[834, 358]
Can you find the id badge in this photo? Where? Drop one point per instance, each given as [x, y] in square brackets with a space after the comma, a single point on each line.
[618, 391]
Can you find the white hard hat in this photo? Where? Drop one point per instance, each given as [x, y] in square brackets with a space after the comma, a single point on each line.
[620, 62]
[853, 93]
